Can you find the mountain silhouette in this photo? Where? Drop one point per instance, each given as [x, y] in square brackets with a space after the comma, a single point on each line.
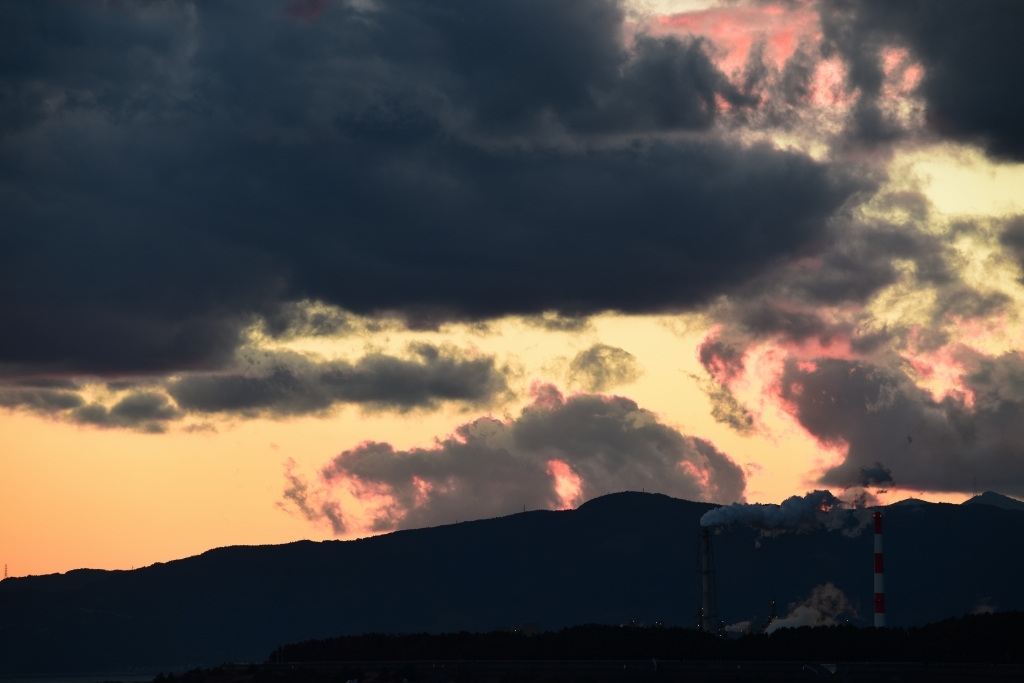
[620, 557]
[996, 499]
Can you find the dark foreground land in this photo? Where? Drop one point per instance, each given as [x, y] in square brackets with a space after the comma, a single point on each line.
[972, 639]
[555, 671]
[987, 647]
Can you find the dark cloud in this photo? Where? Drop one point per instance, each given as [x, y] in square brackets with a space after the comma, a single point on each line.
[972, 57]
[601, 367]
[558, 323]
[487, 468]
[174, 173]
[973, 432]
[144, 411]
[307, 319]
[39, 400]
[279, 384]
[859, 257]
[876, 475]
[284, 383]
[1012, 238]
[724, 406]
[813, 312]
[724, 360]
[821, 297]
[147, 411]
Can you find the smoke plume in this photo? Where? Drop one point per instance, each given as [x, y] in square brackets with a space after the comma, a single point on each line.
[822, 608]
[797, 513]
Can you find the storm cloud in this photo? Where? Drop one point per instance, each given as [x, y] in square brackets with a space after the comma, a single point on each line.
[972, 432]
[145, 411]
[275, 384]
[971, 53]
[173, 173]
[285, 383]
[558, 452]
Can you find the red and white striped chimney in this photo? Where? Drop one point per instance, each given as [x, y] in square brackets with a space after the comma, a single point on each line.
[879, 574]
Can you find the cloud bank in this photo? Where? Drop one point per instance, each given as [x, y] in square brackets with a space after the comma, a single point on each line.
[276, 384]
[558, 453]
[953, 440]
[176, 175]
[164, 191]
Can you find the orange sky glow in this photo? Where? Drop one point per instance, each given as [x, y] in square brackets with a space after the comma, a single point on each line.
[85, 496]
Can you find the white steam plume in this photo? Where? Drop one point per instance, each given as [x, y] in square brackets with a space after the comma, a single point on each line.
[798, 513]
[822, 608]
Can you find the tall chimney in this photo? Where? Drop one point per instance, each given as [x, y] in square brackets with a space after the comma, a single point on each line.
[879, 574]
[708, 606]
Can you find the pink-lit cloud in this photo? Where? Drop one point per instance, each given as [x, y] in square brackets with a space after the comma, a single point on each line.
[558, 453]
[736, 30]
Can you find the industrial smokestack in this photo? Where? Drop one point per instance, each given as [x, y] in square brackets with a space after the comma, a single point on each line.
[708, 611]
[879, 574]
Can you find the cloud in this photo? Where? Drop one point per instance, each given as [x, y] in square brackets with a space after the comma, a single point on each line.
[298, 497]
[601, 367]
[287, 383]
[724, 406]
[970, 54]
[971, 431]
[277, 384]
[313, 319]
[40, 400]
[1012, 238]
[822, 608]
[862, 255]
[176, 173]
[876, 475]
[553, 322]
[145, 411]
[558, 453]
[893, 383]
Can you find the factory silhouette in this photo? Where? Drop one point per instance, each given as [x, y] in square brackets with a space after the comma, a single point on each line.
[798, 513]
[618, 559]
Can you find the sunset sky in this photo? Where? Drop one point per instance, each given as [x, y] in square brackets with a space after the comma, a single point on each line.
[285, 269]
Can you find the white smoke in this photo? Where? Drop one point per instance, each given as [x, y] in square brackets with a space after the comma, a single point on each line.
[740, 627]
[797, 513]
[822, 608]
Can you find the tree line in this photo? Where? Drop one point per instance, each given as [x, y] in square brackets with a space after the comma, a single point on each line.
[981, 638]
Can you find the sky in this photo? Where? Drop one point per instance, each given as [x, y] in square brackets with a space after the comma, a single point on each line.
[285, 269]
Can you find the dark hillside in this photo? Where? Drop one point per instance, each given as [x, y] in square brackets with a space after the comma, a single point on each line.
[621, 557]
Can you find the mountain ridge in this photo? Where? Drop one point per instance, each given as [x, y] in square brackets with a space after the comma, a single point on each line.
[621, 557]
[995, 499]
